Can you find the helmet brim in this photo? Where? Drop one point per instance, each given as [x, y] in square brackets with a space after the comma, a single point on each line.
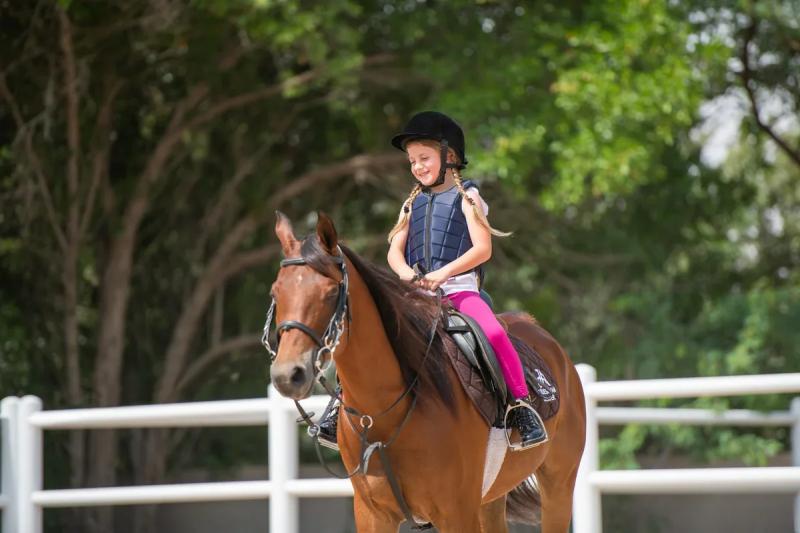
[399, 141]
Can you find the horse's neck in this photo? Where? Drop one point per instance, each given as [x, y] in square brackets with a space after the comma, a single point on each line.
[367, 367]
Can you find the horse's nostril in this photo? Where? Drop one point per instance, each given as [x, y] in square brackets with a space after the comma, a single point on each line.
[298, 376]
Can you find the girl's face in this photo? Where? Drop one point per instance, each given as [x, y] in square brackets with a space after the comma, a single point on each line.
[425, 163]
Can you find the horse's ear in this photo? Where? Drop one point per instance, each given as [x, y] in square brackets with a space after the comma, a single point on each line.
[326, 232]
[283, 229]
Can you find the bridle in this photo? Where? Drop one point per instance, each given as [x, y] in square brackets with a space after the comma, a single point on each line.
[326, 344]
[329, 340]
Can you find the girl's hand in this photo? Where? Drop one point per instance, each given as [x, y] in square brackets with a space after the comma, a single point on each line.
[433, 280]
[408, 275]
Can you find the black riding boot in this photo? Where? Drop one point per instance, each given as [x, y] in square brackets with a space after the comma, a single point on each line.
[531, 429]
[327, 429]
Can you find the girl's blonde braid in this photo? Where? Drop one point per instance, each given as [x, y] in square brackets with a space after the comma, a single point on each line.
[402, 220]
[411, 197]
[482, 220]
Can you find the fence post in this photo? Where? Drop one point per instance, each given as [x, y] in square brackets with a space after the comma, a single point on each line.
[29, 466]
[795, 410]
[283, 510]
[8, 445]
[586, 511]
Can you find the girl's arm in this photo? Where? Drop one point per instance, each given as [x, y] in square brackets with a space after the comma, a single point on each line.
[397, 257]
[480, 252]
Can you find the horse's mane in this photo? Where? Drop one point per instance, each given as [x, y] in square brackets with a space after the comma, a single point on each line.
[408, 316]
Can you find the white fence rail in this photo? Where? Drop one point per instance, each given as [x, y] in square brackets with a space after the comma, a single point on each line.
[587, 516]
[22, 499]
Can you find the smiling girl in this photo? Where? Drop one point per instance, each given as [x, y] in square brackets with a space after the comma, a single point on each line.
[441, 240]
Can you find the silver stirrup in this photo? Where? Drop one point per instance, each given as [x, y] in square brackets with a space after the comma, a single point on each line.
[328, 444]
[314, 432]
[517, 446]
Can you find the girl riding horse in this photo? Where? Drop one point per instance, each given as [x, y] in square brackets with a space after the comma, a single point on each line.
[440, 242]
[416, 446]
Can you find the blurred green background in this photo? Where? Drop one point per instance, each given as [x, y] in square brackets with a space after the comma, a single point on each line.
[646, 155]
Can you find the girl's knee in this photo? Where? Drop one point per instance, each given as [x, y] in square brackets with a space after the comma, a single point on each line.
[496, 335]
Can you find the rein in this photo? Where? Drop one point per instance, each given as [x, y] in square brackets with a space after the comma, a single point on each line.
[327, 344]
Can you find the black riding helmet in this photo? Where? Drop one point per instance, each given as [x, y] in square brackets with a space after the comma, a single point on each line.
[438, 127]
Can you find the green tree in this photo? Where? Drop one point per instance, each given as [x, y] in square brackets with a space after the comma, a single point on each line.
[150, 148]
[144, 147]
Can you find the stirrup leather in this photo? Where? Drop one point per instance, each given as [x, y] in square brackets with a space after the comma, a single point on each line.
[517, 445]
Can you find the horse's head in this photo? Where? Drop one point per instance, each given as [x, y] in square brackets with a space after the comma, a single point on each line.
[310, 305]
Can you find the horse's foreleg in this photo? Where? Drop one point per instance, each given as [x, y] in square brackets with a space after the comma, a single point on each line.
[493, 516]
[369, 520]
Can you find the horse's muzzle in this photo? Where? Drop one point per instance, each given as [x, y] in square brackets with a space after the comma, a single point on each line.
[293, 379]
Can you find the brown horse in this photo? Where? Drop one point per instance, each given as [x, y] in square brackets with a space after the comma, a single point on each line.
[398, 380]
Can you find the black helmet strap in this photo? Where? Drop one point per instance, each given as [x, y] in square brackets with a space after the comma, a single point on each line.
[444, 164]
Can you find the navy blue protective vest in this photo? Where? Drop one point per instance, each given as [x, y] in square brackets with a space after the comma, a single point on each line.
[437, 232]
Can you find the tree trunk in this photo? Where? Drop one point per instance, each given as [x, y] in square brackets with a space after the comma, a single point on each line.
[150, 462]
[108, 369]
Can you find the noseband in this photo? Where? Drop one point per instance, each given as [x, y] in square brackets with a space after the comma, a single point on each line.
[329, 340]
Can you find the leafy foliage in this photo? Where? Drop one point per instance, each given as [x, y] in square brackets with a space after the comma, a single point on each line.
[585, 125]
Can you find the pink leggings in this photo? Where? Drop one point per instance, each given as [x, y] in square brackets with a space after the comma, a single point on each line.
[470, 303]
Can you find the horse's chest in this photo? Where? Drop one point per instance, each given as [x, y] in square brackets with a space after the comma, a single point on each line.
[418, 482]
[376, 490]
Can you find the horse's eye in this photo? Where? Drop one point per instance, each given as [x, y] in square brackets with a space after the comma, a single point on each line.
[332, 294]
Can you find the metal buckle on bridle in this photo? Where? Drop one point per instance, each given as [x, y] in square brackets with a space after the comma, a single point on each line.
[366, 421]
[319, 361]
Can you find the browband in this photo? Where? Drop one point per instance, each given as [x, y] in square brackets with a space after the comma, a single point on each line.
[300, 261]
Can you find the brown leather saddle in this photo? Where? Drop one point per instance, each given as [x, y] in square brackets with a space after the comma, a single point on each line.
[480, 375]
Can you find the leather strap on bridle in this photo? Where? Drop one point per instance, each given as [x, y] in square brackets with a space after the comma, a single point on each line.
[289, 324]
